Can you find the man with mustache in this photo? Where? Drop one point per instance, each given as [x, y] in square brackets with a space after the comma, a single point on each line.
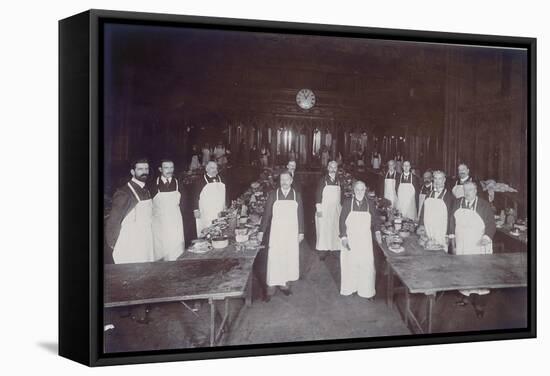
[328, 204]
[425, 190]
[128, 230]
[463, 177]
[284, 216]
[167, 214]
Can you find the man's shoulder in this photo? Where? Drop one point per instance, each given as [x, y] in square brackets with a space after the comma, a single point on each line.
[123, 190]
[347, 200]
[481, 202]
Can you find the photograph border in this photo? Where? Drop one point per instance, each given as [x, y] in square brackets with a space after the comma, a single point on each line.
[81, 142]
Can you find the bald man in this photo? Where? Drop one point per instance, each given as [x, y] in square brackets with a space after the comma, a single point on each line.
[209, 197]
[284, 216]
[473, 227]
[328, 204]
[358, 220]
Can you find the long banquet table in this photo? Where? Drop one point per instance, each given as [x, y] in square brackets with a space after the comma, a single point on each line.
[429, 272]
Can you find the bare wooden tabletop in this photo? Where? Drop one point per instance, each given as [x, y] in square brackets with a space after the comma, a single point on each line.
[444, 272]
[156, 282]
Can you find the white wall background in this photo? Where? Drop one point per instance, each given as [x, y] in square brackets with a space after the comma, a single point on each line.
[28, 153]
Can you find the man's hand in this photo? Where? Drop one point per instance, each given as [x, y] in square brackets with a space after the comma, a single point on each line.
[485, 240]
[420, 230]
[197, 213]
[300, 238]
[319, 214]
[378, 236]
[345, 243]
[260, 236]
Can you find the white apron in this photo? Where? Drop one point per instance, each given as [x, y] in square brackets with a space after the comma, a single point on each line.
[458, 190]
[195, 165]
[357, 265]
[376, 163]
[283, 258]
[205, 156]
[327, 227]
[406, 201]
[135, 241]
[167, 225]
[435, 219]
[389, 190]
[468, 232]
[264, 159]
[211, 203]
[421, 199]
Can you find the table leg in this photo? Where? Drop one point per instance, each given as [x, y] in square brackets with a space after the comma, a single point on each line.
[389, 292]
[429, 313]
[212, 321]
[248, 299]
[223, 324]
[407, 306]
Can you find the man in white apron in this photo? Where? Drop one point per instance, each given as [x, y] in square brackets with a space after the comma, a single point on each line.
[284, 214]
[209, 197]
[291, 167]
[128, 229]
[435, 213]
[463, 177]
[264, 157]
[168, 235]
[407, 190]
[390, 185]
[473, 223]
[205, 154]
[328, 206]
[425, 190]
[358, 217]
[376, 160]
[398, 163]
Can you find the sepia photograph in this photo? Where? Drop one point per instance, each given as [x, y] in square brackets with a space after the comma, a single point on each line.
[272, 188]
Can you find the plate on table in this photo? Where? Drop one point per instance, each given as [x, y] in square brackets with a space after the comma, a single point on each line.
[396, 248]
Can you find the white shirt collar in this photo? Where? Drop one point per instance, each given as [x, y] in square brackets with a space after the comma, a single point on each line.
[285, 192]
[463, 180]
[138, 182]
[164, 180]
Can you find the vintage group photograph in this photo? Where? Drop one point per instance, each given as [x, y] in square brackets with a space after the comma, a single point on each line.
[265, 187]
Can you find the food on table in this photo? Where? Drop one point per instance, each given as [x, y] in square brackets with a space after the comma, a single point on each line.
[404, 233]
[220, 242]
[432, 245]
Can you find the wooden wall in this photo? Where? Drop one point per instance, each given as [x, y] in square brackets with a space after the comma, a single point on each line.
[486, 114]
[438, 105]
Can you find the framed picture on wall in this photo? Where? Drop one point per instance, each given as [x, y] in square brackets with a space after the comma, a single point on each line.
[257, 187]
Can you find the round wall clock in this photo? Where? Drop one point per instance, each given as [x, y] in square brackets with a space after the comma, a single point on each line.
[305, 99]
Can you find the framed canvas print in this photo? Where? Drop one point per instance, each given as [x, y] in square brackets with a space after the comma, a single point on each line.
[238, 187]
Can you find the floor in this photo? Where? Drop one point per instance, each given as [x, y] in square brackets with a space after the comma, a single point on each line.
[314, 311]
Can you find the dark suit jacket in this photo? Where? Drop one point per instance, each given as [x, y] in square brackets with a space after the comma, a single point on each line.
[123, 202]
[268, 209]
[483, 208]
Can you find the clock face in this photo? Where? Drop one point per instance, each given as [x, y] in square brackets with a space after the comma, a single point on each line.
[305, 99]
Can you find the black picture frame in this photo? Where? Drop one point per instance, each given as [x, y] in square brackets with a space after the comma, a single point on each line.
[81, 186]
